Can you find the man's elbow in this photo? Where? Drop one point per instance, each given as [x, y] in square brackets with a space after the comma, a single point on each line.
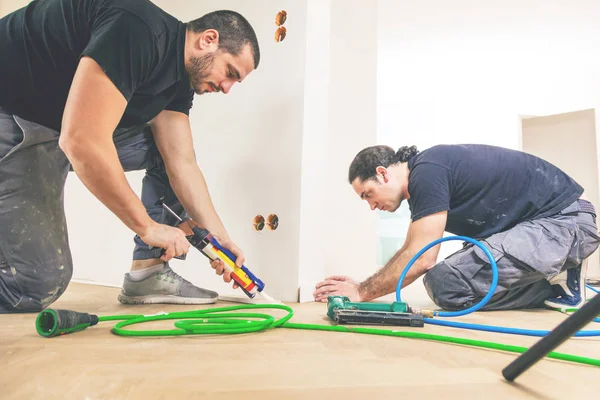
[67, 144]
[65, 141]
[423, 266]
[73, 145]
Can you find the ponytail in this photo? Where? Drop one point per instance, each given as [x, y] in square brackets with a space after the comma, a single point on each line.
[405, 153]
[367, 160]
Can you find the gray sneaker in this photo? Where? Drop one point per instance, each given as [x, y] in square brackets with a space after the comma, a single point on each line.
[165, 287]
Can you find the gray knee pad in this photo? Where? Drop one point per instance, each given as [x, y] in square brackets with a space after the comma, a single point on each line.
[447, 288]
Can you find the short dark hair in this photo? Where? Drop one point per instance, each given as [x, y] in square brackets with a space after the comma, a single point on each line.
[367, 160]
[234, 31]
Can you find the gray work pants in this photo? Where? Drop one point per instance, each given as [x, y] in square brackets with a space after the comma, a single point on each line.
[526, 256]
[35, 259]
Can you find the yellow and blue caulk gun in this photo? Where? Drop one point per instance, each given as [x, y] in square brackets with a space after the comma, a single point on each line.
[208, 245]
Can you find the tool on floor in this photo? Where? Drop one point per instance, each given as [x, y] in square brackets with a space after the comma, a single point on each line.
[208, 245]
[341, 310]
[50, 323]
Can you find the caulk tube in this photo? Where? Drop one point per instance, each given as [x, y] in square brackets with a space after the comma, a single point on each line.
[210, 247]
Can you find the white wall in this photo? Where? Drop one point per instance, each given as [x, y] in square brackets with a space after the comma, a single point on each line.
[349, 224]
[312, 247]
[465, 70]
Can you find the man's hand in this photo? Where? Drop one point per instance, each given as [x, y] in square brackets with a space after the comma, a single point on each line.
[171, 239]
[219, 266]
[337, 286]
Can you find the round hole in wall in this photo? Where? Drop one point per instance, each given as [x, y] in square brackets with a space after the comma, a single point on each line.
[272, 221]
[280, 18]
[280, 34]
[259, 223]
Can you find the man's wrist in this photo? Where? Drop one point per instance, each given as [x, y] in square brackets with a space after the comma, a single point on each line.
[222, 237]
[143, 226]
[361, 290]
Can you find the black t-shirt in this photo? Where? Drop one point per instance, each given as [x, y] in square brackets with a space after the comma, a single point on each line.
[486, 189]
[139, 46]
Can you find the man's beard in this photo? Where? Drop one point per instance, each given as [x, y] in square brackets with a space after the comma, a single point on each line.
[199, 69]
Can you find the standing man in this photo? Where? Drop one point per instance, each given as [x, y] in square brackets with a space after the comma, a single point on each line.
[101, 87]
[530, 215]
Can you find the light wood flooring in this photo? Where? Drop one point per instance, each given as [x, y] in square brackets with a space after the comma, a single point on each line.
[277, 364]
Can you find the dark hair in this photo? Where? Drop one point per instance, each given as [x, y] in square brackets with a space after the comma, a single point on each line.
[234, 31]
[367, 160]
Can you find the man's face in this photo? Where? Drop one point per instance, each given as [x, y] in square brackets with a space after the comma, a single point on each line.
[218, 71]
[381, 193]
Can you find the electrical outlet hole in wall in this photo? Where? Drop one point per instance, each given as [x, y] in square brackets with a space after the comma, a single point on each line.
[280, 19]
[272, 222]
[259, 223]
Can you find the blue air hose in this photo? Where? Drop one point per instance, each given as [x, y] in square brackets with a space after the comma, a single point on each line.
[482, 303]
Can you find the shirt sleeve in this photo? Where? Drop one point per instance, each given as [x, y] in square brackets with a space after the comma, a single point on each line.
[125, 49]
[429, 189]
[183, 100]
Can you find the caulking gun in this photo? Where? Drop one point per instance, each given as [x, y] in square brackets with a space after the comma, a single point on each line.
[208, 245]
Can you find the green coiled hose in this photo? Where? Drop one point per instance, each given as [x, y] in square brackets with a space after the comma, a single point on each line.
[224, 320]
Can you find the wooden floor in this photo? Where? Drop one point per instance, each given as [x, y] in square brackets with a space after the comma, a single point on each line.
[277, 364]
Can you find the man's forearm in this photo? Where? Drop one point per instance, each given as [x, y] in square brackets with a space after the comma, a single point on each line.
[385, 280]
[189, 185]
[98, 167]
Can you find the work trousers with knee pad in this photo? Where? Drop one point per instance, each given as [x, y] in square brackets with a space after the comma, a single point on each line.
[35, 259]
[526, 256]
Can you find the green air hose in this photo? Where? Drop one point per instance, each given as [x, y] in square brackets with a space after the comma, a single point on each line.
[224, 320]
[208, 321]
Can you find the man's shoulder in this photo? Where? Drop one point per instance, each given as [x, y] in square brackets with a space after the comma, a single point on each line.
[435, 154]
[155, 18]
[459, 147]
[445, 151]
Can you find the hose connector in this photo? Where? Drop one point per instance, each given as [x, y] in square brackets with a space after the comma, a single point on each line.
[425, 312]
[50, 323]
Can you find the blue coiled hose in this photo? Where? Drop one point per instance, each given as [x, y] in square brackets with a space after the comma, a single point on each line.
[483, 302]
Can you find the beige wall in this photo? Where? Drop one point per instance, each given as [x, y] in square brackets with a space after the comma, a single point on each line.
[8, 6]
[568, 141]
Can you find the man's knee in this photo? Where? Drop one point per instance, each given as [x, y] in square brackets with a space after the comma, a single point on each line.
[30, 289]
[448, 289]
